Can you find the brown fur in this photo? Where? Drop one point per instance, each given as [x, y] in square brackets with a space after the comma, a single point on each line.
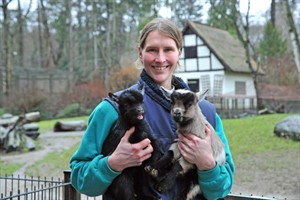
[189, 119]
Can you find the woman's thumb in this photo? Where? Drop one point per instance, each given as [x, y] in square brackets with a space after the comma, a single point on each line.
[128, 133]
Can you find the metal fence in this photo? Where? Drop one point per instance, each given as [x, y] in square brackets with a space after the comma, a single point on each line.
[29, 188]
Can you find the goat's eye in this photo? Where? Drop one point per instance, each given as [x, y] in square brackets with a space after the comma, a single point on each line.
[188, 104]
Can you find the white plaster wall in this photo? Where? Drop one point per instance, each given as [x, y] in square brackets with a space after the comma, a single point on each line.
[229, 84]
[228, 81]
[196, 75]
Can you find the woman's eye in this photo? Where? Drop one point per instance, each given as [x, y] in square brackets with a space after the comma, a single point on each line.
[151, 50]
[169, 49]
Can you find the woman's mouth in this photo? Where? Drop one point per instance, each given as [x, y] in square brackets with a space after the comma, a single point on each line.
[160, 68]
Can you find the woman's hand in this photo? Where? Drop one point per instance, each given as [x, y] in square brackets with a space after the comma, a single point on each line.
[196, 150]
[129, 155]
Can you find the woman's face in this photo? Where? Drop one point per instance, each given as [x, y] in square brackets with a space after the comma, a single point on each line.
[159, 57]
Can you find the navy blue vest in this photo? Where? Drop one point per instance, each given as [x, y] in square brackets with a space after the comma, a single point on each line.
[161, 124]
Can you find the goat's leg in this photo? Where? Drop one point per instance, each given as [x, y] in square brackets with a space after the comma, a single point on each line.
[156, 168]
[167, 180]
[122, 188]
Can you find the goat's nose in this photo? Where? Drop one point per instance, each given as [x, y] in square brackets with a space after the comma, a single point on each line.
[140, 110]
[176, 115]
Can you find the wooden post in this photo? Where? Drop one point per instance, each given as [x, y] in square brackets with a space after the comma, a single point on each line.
[69, 191]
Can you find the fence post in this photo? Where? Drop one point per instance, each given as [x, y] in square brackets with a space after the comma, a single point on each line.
[69, 191]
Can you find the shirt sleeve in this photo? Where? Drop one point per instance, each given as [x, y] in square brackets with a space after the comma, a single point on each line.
[90, 172]
[217, 182]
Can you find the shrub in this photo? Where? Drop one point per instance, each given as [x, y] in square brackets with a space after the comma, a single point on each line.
[73, 110]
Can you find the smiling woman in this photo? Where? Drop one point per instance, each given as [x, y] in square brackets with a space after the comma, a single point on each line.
[159, 50]
[160, 57]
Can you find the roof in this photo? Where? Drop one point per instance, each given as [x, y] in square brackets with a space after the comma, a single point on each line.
[228, 49]
[279, 92]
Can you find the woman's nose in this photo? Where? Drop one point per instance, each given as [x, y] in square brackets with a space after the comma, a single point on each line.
[160, 57]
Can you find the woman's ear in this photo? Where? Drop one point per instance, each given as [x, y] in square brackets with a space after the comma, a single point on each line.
[140, 50]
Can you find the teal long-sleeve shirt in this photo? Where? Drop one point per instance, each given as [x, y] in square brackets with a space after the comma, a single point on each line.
[91, 173]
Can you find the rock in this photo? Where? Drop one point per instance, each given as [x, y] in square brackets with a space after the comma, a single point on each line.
[289, 127]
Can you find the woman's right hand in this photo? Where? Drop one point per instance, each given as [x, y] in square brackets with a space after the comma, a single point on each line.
[129, 155]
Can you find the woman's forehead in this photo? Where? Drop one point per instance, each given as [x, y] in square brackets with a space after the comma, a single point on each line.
[155, 38]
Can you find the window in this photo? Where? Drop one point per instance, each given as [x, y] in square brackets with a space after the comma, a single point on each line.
[190, 52]
[193, 84]
[240, 87]
[190, 40]
[205, 83]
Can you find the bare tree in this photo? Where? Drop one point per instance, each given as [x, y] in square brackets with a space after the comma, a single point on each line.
[241, 25]
[293, 35]
[273, 11]
[7, 51]
[68, 5]
[47, 61]
[21, 22]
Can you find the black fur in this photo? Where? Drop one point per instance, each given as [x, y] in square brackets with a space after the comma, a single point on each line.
[133, 183]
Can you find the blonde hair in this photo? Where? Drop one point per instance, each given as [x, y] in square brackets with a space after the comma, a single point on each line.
[164, 26]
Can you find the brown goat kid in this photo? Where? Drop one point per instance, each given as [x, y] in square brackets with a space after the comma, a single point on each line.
[172, 167]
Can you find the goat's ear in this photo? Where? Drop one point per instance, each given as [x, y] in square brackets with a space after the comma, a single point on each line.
[113, 97]
[201, 96]
[142, 88]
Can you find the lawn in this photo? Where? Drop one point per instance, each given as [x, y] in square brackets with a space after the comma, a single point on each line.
[47, 125]
[246, 136]
[255, 134]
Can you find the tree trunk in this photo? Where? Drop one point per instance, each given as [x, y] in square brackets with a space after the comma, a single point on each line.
[20, 36]
[243, 32]
[293, 36]
[95, 45]
[80, 35]
[70, 43]
[7, 51]
[40, 33]
[49, 63]
[273, 12]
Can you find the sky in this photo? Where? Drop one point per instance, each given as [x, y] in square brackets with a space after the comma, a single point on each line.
[257, 8]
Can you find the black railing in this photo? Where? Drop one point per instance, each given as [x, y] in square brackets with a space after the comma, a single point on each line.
[29, 188]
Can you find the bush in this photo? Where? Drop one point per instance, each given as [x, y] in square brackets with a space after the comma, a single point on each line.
[23, 101]
[2, 111]
[73, 110]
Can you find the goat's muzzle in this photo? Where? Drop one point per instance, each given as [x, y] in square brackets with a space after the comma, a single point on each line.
[177, 115]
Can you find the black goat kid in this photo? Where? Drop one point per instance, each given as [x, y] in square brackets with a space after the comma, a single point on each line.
[133, 183]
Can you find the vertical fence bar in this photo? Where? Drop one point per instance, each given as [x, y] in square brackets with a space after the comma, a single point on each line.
[69, 191]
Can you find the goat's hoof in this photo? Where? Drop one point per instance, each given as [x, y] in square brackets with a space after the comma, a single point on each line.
[161, 188]
[153, 172]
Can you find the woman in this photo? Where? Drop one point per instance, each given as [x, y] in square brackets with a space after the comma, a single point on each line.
[159, 50]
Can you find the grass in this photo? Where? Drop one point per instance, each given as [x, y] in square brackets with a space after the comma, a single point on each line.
[48, 125]
[9, 168]
[255, 135]
[53, 162]
[246, 136]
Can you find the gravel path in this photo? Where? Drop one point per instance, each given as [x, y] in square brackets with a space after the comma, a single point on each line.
[51, 142]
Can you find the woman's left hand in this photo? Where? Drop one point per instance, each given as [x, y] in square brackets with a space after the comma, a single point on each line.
[196, 150]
